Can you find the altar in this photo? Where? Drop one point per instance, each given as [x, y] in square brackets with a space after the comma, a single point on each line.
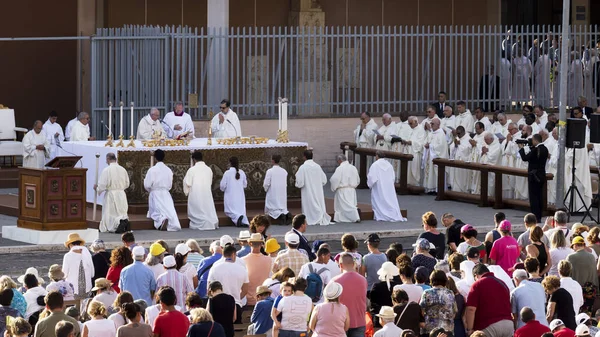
[255, 160]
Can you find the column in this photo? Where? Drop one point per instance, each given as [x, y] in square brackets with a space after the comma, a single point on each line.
[86, 26]
[217, 79]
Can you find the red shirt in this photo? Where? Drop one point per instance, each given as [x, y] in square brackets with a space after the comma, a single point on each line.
[564, 332]
[492, 299]
[354, 296]
[171, 324]
[532, 328]
[113, 275]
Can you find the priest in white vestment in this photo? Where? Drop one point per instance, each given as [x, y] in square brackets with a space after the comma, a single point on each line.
[464, 117]
[413, 144]
[435, 147]
[226, 123]
[501, 125]
[383, 192]
[403, 131]
[36, 148]
[69, 127]
[542, 86]
[158, 182]
[310, 179]
[552, 144]
[275, 185]
[81, 129]
[364, 136]
[541, 117]
[344, 181]
[462, 150]
[150, 126]
[448, 124]
[430, 115]
[521, 185]
[179, 123]
[197, 185]
[383, 136]
[477, 144]
[233, 184]
[491, 154]
[510, 150]
[521, 71]
[114, 179]
[54, 134]
[482, 118]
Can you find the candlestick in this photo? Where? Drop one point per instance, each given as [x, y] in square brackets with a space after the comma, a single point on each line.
[131, 141]
[131, 133]
[284, 115]
[121, 118]
[210, 117]
[109, 118]
[120, 143]
[279, 115]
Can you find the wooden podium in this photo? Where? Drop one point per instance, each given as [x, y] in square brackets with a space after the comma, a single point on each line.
[53, 198]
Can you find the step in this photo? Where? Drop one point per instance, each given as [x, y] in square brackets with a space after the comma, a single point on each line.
[219, 205]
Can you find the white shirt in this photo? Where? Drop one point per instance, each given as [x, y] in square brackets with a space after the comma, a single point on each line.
[100, 328]
[325, 275]
[574, 288]
[557, 255]
[413, 291]
[388, 330]
[31, 296]
[107, 298]
[295, 311]
[232, 276]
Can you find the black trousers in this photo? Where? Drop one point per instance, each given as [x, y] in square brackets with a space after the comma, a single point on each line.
[535, 196]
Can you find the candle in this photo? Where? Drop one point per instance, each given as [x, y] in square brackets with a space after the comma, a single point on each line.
[109, 118]
[131, 134]
[285, 115]
[279, 115]
[152, 159]
[121, 119]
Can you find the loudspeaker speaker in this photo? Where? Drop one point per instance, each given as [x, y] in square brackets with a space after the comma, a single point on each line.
[576, 133]
[595, 128]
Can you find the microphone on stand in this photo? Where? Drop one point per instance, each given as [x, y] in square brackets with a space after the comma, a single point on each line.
[236, 131]
[107, 128]
[168, 126]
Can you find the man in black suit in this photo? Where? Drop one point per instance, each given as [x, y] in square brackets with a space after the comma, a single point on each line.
[582, 105]
[440, 104]
[537, 157]
[300, 225]
[489, 89]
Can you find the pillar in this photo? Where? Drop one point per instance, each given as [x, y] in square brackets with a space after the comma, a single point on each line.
[217, 76]
[86, 26]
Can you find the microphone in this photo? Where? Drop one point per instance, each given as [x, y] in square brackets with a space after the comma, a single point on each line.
[236, 131]
[71, 153]
[168, 126]
[107, 128]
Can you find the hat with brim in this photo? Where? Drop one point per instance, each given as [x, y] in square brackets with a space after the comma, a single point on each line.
[55, 272]
[256, 237]
[101, 283]
[386, 312]
[74, 237]
[244, 236]
[333, 290]
[261, 290]
[32, 271]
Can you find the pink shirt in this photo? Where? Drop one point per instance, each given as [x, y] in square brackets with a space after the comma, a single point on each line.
[259, 268]
[505, 253]
[330, 320]
[354, 296]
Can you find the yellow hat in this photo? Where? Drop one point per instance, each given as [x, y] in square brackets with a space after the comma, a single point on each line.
[156, 249]
[272, 246]
[578, 240]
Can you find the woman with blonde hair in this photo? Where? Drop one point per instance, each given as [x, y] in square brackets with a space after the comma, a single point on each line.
[99, 325]
[558, 251]
[204, 325]
[17, 327]
[330, 319]
[593, 239]
[195, 255]
[18, 302]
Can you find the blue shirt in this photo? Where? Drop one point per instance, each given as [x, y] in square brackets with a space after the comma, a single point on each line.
[261, 316]
[529, 294]
[203, 269]
[139, 280]
[244, 251]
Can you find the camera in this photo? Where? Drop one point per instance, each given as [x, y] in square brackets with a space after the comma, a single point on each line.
[528, 142]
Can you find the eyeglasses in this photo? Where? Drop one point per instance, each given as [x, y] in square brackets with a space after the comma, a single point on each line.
[223, 107]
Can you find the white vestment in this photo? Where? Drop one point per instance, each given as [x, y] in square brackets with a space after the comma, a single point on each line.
[521, 72]
[69, 127]
[80, 132]
[461, 178]
[403, 130]
[466, 120]
[147, 128]
[310, 179]
[509, 159]
[492, 157]
[543, 120]
[32, 157]
[448, 124]
[438, 148]
[201, 207]
[501, 129]
[521, 184]
[234, 199]
[185, 121]
[158, 182]
[552, 145]
[344, 181]
[542, 86]
[505, 80]
[487, 125]
[275, 185]
[114, 179]
[229, 128]
[383, 192]
[583, 180]
[365, 139]
[575, 82]
[418, 138]
[475, 158]
[51, 129]
[387, 132]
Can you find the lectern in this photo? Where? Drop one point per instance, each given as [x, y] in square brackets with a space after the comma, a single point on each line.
[53, 198]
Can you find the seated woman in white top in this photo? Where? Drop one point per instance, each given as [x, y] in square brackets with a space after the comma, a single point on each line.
[98, 326]
[105, 293]
[233, 184]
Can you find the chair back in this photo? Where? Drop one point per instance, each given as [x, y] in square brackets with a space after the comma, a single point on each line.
[7, 124]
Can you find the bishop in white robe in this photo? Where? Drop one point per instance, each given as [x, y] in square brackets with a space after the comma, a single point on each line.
[344, 181]
[36, 148]
[413, 144]
[403, 131]
[364, 136]
[461, 178]
[383, 192]
[179, 123]
[491, 154]
[197, 185]
[114, 179]
[81, 130]
[448, 124]
[150, 126]
[69, 127]
[435, 147]
[310, 179]
[430, 115]
[158, 183]
[275, 185]
[383, 136]
[541, 119]
[510, 151]
[501, 125]
[226, 123]
[54, 134]
[233, 184]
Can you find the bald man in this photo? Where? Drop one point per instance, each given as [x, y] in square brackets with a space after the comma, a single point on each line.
[36, 147]
[383, 136]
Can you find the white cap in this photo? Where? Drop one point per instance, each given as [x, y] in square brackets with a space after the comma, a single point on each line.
[225, 240]
[244, 235]
[582, 330]
[555, 324]
[138, 251]
[182, 249]
[292, 238]
[581, 318]
[169, 261]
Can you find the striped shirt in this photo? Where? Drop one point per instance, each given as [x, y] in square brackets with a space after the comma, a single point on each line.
[195, 259]
[178, 282]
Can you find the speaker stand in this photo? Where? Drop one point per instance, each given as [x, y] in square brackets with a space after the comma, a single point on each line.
[574, 193]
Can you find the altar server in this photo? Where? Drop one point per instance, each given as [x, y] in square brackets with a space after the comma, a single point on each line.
[54, 134]
[113, 180]
[150, 126]
[491, 154]
[413, 145]
[197, 186]
[310, 179]
[344, 181]
[226, 123]
[461, 178]
[81, 130]
[435, 147]
[275, 185]
[233, 184]
[364, 136]
[158, 183]
[383, 192]
[179, 123]
[36, 148]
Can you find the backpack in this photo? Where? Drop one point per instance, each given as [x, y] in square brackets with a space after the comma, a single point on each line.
[314, 283]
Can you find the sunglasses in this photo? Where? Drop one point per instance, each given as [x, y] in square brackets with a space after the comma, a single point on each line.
[223, 107]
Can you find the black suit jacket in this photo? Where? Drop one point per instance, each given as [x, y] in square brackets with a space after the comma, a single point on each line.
[438, 108]
[304, 245]
[587, 111]
[536, 159]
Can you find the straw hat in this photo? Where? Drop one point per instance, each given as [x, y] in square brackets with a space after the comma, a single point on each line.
[244, 235]
[260, 290]
[101, 283]
[386, 312]
[256, 237]
[55, 272]
[333, 290]
[73, 237]
[32, 271]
